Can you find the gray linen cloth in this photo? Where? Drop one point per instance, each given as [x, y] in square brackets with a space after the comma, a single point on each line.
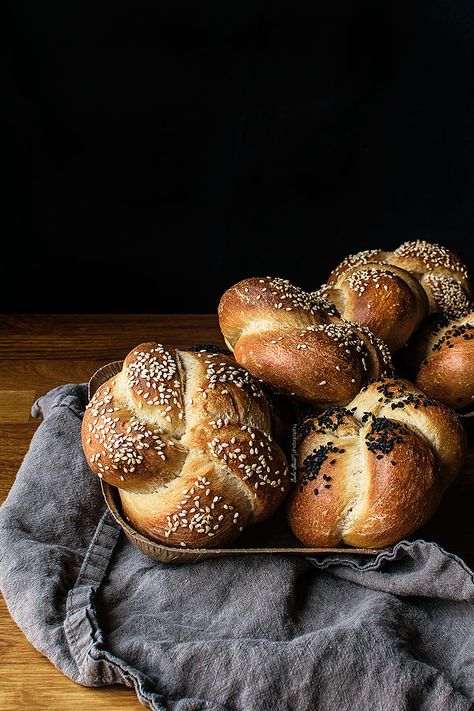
[391, 632]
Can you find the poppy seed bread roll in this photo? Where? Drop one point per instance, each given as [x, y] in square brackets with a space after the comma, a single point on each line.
[370, 474]
[442, 355]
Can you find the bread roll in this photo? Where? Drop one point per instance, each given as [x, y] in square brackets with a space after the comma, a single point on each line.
[392, 292]
[442, 355]
[372, 473]
[185, 437]
[387, 300]
[296, 342]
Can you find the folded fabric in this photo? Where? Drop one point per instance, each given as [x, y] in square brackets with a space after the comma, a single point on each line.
[393, 631]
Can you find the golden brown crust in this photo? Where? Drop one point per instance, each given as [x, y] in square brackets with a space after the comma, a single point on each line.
[297, 343]
[170, 417]
[155, 385]
[319, 503]
[443, 354]
[303, 363]
[398, 399]
[122, 447]
[253, 458]
[446, 295]
[366, 256]
[201, 508]
[388, 300]
[392, 292]
[372, 473]
[268, 303]
[402, 494]
[421, 258]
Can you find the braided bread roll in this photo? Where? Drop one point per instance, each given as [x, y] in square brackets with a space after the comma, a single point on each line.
[392, 292]
[186, 438]
[370, 474]
[296, 342]
[442, 354]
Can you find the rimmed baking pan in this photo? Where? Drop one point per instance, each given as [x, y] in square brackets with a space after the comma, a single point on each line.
[271, 537]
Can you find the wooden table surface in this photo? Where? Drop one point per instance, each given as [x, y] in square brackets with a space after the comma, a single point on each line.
[39, 352]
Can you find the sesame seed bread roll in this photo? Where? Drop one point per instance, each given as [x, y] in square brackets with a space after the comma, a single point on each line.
[441, 273]
[363, 258]
[387, 300]
[372, 473]
[297, 343]
[392, 292]
[185, 437]
[442, 355]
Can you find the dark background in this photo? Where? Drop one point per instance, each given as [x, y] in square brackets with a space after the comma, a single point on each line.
[157, 152]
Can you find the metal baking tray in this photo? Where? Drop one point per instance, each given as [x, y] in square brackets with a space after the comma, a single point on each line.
[271, 537]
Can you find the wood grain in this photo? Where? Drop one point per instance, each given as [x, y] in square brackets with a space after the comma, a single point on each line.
[38, 353]
[105, 337]
[15, 406]
[29, 682]
[46, 373]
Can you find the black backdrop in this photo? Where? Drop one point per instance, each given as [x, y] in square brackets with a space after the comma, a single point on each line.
[161, 151]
